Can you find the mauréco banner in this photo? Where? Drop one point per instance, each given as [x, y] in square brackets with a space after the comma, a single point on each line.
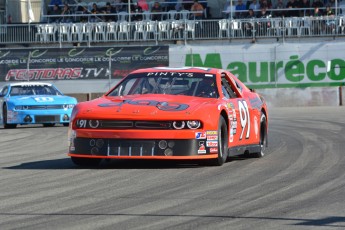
[90, 63]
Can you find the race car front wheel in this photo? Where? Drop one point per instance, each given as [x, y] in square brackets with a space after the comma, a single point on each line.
[4, 117]
[86, 162]
[222, 143]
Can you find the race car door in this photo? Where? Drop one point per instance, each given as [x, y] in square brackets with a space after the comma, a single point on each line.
[240, 113]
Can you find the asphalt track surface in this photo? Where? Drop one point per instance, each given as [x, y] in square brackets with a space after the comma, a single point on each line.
[299, 184]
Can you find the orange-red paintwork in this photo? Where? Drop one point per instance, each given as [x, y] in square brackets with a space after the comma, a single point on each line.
[242, 114]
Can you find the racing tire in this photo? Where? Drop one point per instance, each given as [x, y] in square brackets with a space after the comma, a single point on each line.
[263, 137]
[65, 124]
[4, 117]
[86, 162]
[222, 143]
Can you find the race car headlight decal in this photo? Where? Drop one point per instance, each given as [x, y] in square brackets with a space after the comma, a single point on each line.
[68, 106]
[193, 124]
[21, 107]
[179, 124]
[94, 123]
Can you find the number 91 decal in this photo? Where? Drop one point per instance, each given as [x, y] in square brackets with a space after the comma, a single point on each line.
[244, 117]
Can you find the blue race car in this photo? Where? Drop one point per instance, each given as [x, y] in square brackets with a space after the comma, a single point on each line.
[34, 103]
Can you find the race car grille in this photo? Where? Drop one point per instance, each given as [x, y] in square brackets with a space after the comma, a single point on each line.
[125, 147]
[40, 107]
[47, 118]
[105, 124]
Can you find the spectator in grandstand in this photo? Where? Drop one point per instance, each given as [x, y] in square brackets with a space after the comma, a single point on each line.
[143, 4]
[198, 9]
[279, 12]
[266, 4]
[255, 6]
[137, 13]
[66, 14]
[318, 4]
[248, 24]
[331, 3]
[329, 11]
[304, 4]
[83, 12]
[53, 3]
[229, 10]
[186, 4]
[292, 6]
[55, 11]
[330, 22]
[240, 9]
[95, 10]
[262, 25]
[171, 4]
[156, 10]
[317, 12]
[110, 10]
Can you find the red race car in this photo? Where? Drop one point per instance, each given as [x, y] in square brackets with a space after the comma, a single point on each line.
[171, 114]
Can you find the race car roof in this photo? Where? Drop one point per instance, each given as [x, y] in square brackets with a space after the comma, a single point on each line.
[179, 69]
[29, 83]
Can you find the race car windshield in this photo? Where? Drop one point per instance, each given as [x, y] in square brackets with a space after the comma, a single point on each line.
[21, 90]
[171, 83]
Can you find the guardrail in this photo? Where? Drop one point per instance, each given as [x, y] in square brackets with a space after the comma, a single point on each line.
[171, 30]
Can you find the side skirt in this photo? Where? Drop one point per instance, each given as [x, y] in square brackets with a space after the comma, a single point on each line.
[239, 150]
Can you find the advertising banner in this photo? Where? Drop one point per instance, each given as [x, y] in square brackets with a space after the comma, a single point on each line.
[95, 63]
[271, 65]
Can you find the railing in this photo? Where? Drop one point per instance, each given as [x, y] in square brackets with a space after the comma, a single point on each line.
[89, 33]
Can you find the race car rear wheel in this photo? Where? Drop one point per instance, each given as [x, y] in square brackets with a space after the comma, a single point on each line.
[222, 143]
[86, 162]
[263, 137]
[4, 117]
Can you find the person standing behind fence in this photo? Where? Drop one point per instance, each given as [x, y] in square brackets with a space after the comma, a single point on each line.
[66, 14]
[198, 9]
[55, 11]
[156, 8]
[255, 6]
[240, 9]
[292, 5]
[304, 4]
[110, 10]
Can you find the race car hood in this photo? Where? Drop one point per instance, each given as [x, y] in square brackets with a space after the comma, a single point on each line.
[42, 99]
[147, 105]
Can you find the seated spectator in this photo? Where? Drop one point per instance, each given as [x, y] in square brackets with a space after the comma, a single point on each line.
[198, 9]
[55, 11]
[304, 4]
[278, 12]
[156, 8]
[66, 14]
[292, 5]
[109, 9]
[240, 9]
